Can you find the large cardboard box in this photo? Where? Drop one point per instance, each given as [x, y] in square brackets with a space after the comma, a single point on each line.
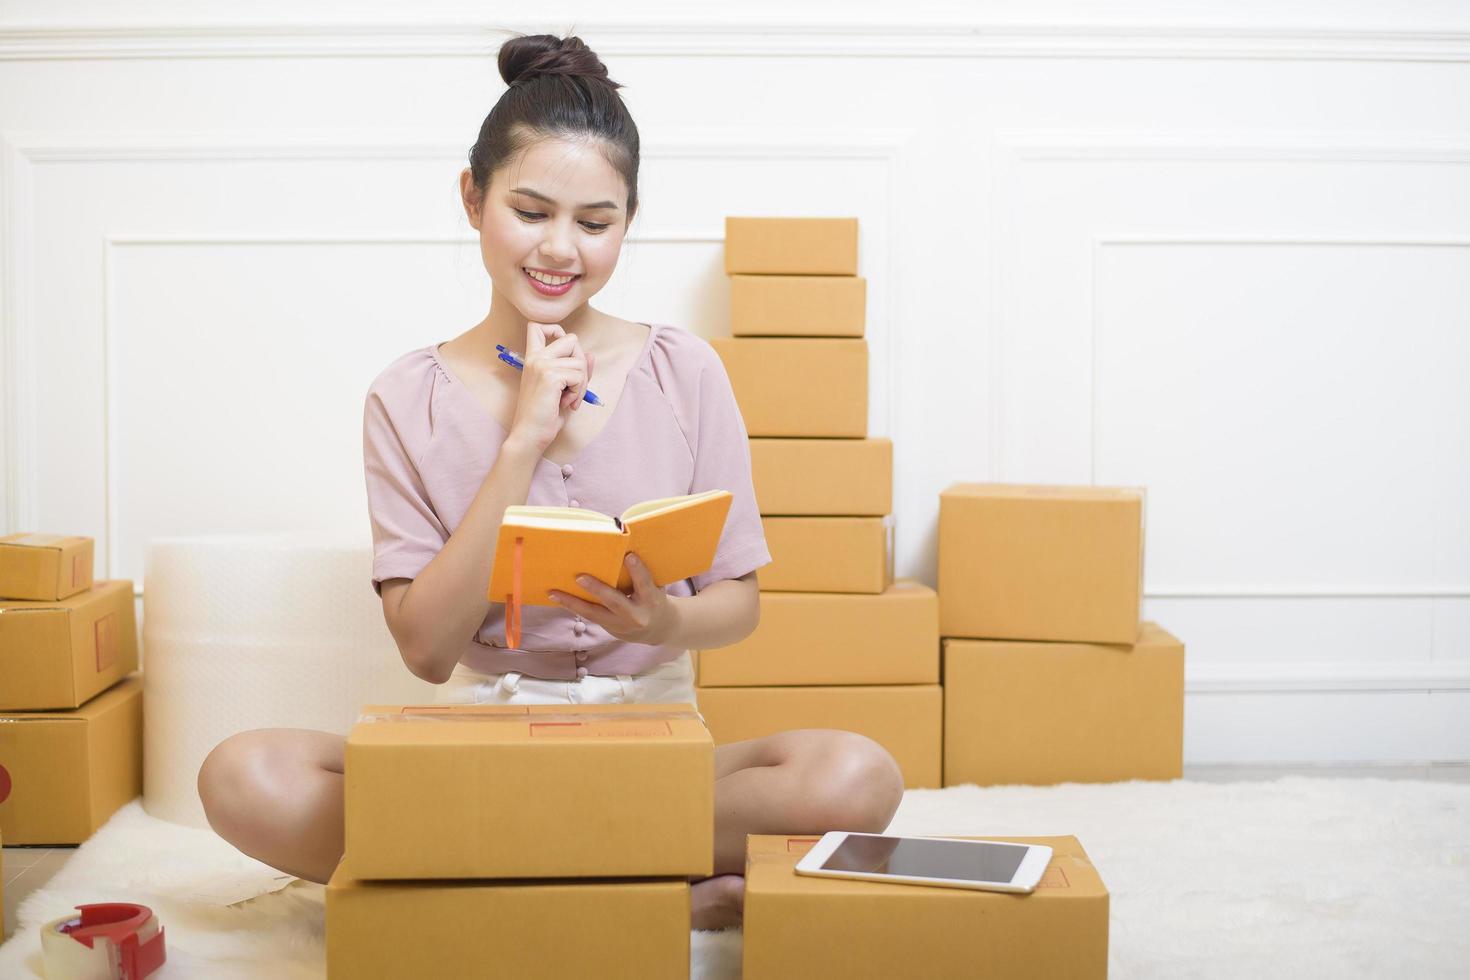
[798, 306]
[1040, 562]
[60, 653]
[791, 246]
[1046, 713]
[530, 791]
[796, 386]
[44, 567]
[63, 773]
[832, 638]
[827, 554]
[529, 930]
[906, 720]
[799, 926]
[808, 477]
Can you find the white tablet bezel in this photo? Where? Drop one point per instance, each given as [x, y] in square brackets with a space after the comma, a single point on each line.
[1032, 866]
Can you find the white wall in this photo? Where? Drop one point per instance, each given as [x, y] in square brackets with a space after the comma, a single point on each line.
[1221, 250]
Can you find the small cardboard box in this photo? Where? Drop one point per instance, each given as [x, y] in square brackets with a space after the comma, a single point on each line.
[800, 926]
[60, 653]
[796, 386]
[63, 773]
[798, 306]
[44, 567]
[827, 554]
[791, 246]
[530, 930]
[1045, 713]
[810, 477]
[530, 791]
[830, 638]
[1040, 563]
[904, 719]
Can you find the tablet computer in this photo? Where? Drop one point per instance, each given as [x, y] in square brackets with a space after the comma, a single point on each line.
[947, 861]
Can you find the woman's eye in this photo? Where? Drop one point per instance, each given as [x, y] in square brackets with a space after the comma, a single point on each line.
[594, 226]
[529, 215]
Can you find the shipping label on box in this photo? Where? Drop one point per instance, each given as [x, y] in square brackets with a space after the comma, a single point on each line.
[904, 719]
[823, 477]
[876, 929]
[59, 654]
[791, 246]
[798, 306]
[536, 791]
[1040, 562]
[833, 638]
[530, 930]
[796, 386]
[63, 773]
[1046, 713]
[44, 567]
[828, 554]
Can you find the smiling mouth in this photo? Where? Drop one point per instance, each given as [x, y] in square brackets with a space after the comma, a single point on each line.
[548, 279]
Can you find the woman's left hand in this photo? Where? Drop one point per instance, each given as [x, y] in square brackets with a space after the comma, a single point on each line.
[646, 616]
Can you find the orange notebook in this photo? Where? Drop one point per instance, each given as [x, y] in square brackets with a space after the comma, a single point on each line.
[544, 548]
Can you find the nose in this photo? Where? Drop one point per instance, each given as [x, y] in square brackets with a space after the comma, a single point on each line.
[556, 244]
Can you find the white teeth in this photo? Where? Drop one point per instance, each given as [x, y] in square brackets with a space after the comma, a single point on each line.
[549, 280]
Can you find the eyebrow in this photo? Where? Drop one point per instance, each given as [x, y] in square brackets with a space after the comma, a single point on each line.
[542, 197]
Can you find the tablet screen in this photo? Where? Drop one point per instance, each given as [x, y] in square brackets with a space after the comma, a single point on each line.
[964, 860]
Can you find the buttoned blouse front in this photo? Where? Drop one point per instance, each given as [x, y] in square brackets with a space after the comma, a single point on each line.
[428, 444]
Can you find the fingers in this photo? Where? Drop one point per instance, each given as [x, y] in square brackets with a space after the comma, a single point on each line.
[538, 335]
[642, 577]
[605, 594]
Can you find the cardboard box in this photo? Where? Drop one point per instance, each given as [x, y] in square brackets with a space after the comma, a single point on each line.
[629, 930]
[906, 720]
[799, 926]
[798, 306]
[849, 477]
[827, 554]
[530, 791]
[63, 773]
[831, 638]
[794, 386]
[1040, 563]
[44, 567]
[58, 654]
[1044, 713]
[791, 246]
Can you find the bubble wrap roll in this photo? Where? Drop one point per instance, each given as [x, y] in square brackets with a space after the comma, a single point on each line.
[243, 632]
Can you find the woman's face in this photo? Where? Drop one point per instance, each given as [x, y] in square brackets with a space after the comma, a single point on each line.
[551, 226]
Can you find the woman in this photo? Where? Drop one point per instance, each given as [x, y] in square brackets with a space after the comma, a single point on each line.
[452, 436]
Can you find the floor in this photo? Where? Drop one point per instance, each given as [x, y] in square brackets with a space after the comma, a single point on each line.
[28, 868]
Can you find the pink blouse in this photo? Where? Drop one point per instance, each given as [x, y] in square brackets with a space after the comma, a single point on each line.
[428, 444]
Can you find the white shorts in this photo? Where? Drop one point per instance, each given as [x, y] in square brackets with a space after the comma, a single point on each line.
[671, 682]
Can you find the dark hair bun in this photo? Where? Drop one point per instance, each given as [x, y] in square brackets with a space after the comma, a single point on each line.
[526, 57]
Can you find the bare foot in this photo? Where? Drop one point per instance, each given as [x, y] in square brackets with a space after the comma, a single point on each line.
[717, 903]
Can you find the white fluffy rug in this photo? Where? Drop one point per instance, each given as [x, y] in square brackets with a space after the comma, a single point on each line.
[1292, 878]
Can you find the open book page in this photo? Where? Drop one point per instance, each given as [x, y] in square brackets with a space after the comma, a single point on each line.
[650, 508]
[676, 537]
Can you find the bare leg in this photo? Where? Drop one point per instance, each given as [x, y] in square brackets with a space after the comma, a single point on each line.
[807, 781]
[276, 794]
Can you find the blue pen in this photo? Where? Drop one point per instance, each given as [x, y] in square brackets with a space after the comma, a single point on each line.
[514, 360]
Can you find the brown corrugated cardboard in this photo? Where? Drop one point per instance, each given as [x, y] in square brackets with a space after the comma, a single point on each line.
[44, 567]
[791, 246]
[827, 554]
[529, 930]
[534, 791]
[1046, 713]
[63, 773]
[795, 386]
[849, 477]
[798, 306]
[800, 926]
[832, 638]
[1040, 562]
[58, 654]
[905, 720]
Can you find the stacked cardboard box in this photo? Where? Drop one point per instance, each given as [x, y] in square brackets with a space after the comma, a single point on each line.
[71, 711]
[840, 644]
[1049, 674]
[565, 834]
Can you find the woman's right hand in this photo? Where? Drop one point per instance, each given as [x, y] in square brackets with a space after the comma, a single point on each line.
[552, 383]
